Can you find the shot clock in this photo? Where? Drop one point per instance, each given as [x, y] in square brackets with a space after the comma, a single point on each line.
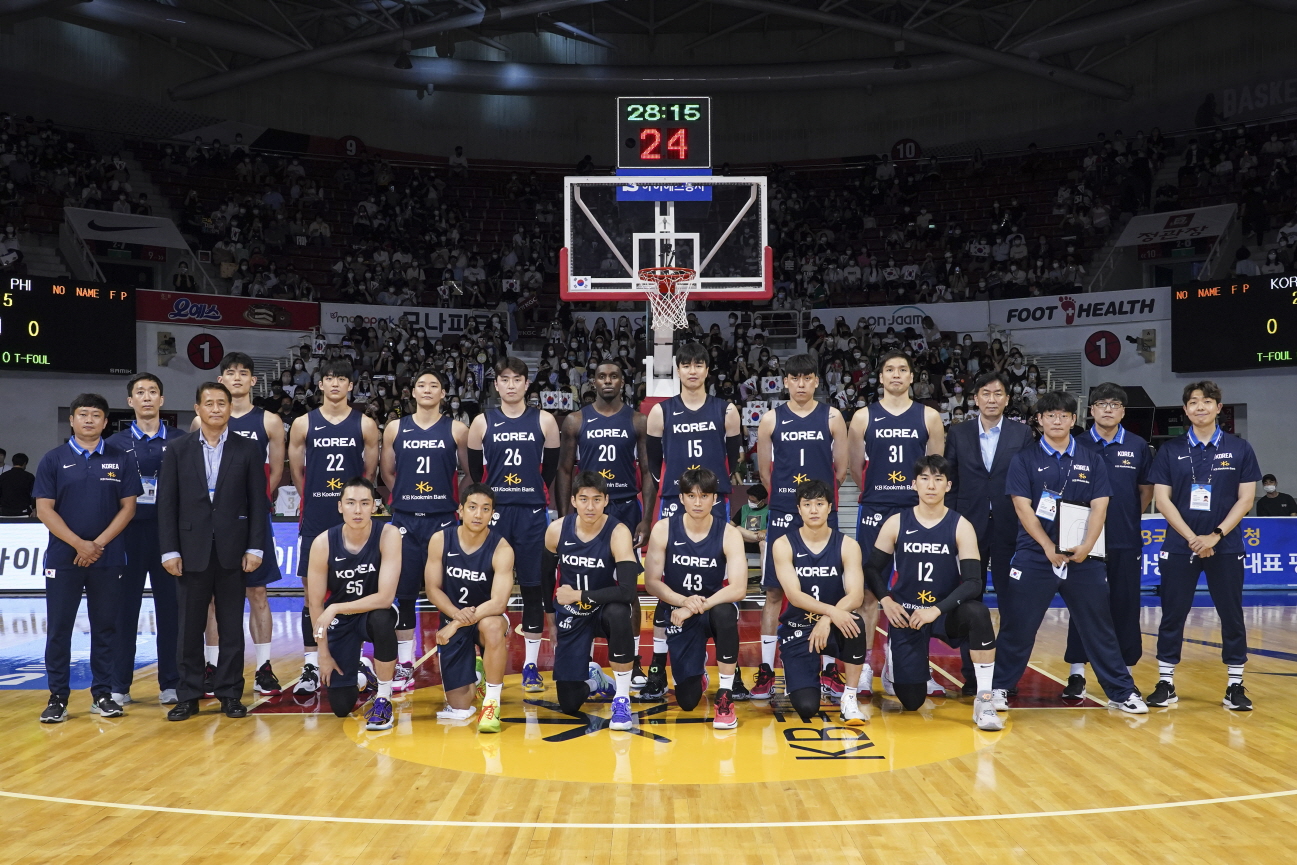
[664, 133]
[1244, 323]
[55, 325]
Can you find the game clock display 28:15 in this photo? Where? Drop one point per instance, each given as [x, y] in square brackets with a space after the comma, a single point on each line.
[664, 133]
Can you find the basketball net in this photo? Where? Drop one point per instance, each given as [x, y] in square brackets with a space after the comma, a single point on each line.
[668, 290]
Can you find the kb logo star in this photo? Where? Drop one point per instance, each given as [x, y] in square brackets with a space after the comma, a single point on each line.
[927, 597]
[896, 478]
[606, 474]
[423, 487]
[800, 478]
[512, 479]
[335, 483]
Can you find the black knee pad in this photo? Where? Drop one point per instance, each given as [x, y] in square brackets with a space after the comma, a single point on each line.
[406, 618]
[689, 692]
[911, 696]
[618, 623]
[855, 649]
[572, 696]
[725, 633]
[547, 578]
[382, 626]
[343, 700]
[806, 702]
[308, 629]
[981, 633]
[533, 609]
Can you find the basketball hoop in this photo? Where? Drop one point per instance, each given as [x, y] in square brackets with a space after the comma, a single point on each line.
[667, 289]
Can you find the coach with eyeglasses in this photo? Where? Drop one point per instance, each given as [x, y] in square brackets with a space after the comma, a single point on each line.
[212, 529]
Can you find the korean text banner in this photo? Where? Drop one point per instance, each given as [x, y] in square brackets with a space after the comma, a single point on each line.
[1269, 551]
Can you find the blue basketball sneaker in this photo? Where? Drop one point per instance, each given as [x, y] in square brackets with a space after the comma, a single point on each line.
[602, 687]
[531, 680]
[621, 716]
[379, 716]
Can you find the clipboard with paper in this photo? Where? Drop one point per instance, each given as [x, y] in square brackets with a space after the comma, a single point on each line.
[1073, 520]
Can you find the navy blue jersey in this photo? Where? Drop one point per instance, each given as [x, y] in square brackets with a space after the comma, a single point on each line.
[691, 440]
[148, 451]
[1221, 463]
[801, 449]
[87, 488]
[335, 453]
[252, 426]
[1128, 458]
[585, 565]
[608, 446]
[466, 577]
[927, 560]
[426, 467]
[819, 574]
[353, 576]
[694, 567]
[893, 442]
[513, 449]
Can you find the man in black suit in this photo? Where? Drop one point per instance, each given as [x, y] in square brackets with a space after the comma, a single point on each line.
[979, 453]
[212, 527]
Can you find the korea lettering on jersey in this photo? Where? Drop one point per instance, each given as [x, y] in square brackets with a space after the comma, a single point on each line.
[798, 436]
[513, 479]
[468, 574]
[893, 433]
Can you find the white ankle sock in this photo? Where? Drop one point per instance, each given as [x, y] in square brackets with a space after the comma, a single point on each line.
[312, 658]
[493, 691]
[1077, 670]
[385, 689]
[405, 651]
[769, 643]
[727, 682]
[263, 653]
[659, 646]
[985, 673]
[1235, 672]
[622, 679]
[1166, 672]
[211, 654]
[531, 647]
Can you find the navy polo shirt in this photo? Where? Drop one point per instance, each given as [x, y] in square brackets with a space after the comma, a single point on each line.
[87, 487]
[1128, 459]
[1224, 461]
[1074, 474]
[148, 451]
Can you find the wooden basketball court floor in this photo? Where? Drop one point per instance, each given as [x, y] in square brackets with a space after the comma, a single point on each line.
[293, 784]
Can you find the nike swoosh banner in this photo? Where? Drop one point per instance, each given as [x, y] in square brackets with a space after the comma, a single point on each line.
[124, 228]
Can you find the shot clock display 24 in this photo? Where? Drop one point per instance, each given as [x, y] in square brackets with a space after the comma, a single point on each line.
[49, 325]
[664, 133]
[1246, 323]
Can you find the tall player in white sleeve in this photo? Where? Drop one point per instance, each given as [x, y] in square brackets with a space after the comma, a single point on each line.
[801, 440]
[886, 440]
[690, 431]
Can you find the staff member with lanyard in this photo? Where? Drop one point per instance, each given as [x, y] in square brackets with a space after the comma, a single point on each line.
[147, 437]
[1041, 479]
[1128, 458]
[85, 495]
[1204, 483]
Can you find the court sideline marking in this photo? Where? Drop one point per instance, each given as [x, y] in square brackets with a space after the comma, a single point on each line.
[505, 824]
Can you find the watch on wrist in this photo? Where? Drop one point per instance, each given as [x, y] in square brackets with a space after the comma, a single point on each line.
[1218, 531]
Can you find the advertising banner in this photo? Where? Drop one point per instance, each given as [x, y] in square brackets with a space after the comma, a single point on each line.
[1083, 308]
[216, 310]
[1269, 551]
[336, 318]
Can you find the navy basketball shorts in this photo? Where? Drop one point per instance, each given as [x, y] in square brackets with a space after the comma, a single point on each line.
[627, 512]
[458, 657]
[869, 522]
[910, 650]
[304, 555]
[687, 644]
[576, 634]
[416, 531]
[801, 665]
[523, 526]
[347, 636]
[778, 524]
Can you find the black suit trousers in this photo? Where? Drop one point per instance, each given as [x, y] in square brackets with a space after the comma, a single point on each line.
[195, 590]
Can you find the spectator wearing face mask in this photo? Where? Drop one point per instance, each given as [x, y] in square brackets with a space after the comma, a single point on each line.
[1272, 502]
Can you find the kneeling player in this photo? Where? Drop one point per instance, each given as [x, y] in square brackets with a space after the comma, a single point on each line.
[819, 570]
[469, 578]
[355, 568]
[697, 568]
[938, 580]
[597, 576]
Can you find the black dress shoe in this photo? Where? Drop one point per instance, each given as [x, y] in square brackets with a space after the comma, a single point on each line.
[233, 708]
[183, 711]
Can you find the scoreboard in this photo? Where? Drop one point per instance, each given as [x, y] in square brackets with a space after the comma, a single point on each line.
[664, 133]
[1244, 323]
[57, 325]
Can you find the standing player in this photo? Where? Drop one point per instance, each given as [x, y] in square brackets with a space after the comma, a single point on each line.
[147, 438]
[1128, 458]
[1040, 479]
[802, 439]
[597, 573]
[353, 574]
[422, 455]
[609, 438]
[325, 447]
[267, 430]
[469, 580]
[1204, 483]
[886, 440]
[820, 571]
[519, 446]
[697, 568]
[689, 431]
[939, 577]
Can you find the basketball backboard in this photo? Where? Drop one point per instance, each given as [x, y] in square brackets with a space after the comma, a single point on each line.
[615, 226]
